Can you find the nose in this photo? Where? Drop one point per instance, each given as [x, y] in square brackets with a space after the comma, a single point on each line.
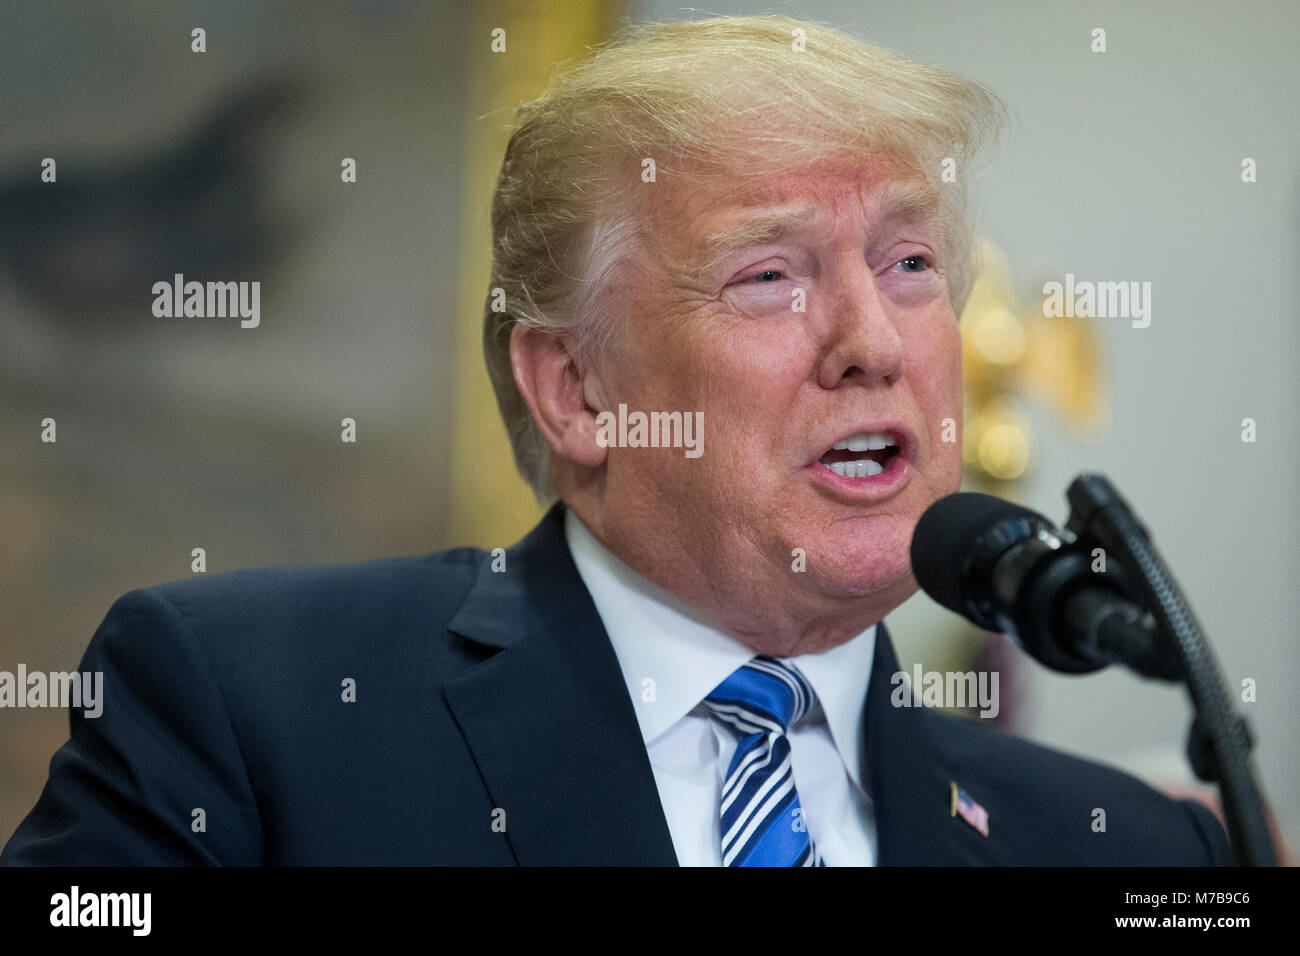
[861, 342]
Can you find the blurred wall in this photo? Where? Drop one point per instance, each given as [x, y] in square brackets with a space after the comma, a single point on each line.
[175, 434]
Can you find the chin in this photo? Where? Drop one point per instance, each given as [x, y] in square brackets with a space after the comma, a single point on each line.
[866, 565]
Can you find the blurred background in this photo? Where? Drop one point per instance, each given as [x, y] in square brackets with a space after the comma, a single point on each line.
[176, 434]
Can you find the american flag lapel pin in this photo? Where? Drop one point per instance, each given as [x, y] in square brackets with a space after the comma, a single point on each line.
[970, 811]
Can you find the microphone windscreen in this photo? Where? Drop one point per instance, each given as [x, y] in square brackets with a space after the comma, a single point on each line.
[949, 534]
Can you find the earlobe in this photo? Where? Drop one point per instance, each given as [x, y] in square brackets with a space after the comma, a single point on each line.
[554, 389]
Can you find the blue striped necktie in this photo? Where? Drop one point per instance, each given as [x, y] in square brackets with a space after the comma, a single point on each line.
[762, 821]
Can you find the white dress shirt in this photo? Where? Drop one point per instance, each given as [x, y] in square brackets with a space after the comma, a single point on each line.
[672, 657]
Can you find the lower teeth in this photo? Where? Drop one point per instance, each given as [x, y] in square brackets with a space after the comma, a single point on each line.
[862, 468]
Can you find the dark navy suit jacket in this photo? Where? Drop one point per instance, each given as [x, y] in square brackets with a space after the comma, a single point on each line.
[483, 698]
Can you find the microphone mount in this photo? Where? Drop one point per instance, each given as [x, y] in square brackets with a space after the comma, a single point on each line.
[1037, 582]
[1220, 741]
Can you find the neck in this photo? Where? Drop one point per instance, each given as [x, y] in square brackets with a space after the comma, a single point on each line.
[756, 606]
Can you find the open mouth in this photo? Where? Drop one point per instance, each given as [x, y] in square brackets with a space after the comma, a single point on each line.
[863, 455]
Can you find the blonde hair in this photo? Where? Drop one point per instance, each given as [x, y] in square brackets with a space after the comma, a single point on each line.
[701, 98]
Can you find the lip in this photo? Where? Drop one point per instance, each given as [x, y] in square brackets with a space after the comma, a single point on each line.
[876, 487]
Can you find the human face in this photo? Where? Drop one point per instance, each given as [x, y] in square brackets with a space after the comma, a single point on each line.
[712, 325]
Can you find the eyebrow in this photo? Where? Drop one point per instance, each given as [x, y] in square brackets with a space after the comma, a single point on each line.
[767, 226]
[908, 202]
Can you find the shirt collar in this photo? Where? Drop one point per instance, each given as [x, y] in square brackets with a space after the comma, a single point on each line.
[672, 656]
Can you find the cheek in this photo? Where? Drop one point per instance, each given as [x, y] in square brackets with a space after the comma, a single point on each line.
[745, 379]
[947, 346]
[937, 379]
[949, 387]
[933, 362]
[690, 375]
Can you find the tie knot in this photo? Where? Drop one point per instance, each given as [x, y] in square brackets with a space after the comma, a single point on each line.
[766, 695]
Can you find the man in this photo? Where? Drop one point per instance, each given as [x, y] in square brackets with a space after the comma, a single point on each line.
[722, 329]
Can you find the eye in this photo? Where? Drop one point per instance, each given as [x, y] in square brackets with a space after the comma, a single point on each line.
[767, 275]
[914, 264]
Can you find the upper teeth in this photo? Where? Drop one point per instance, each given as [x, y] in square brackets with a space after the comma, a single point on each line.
[865, 441]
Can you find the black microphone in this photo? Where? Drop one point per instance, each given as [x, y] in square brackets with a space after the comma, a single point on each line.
[1008, 569]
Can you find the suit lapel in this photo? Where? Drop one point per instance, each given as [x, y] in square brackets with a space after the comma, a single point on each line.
[555, 737]
[910, 771]
[548, 718]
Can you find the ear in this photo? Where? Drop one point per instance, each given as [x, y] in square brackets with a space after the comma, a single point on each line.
[553, 388]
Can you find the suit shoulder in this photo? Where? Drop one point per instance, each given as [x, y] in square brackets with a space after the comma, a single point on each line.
[1069, 801]
[980, 744]
[272, 614]
[444, 574]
